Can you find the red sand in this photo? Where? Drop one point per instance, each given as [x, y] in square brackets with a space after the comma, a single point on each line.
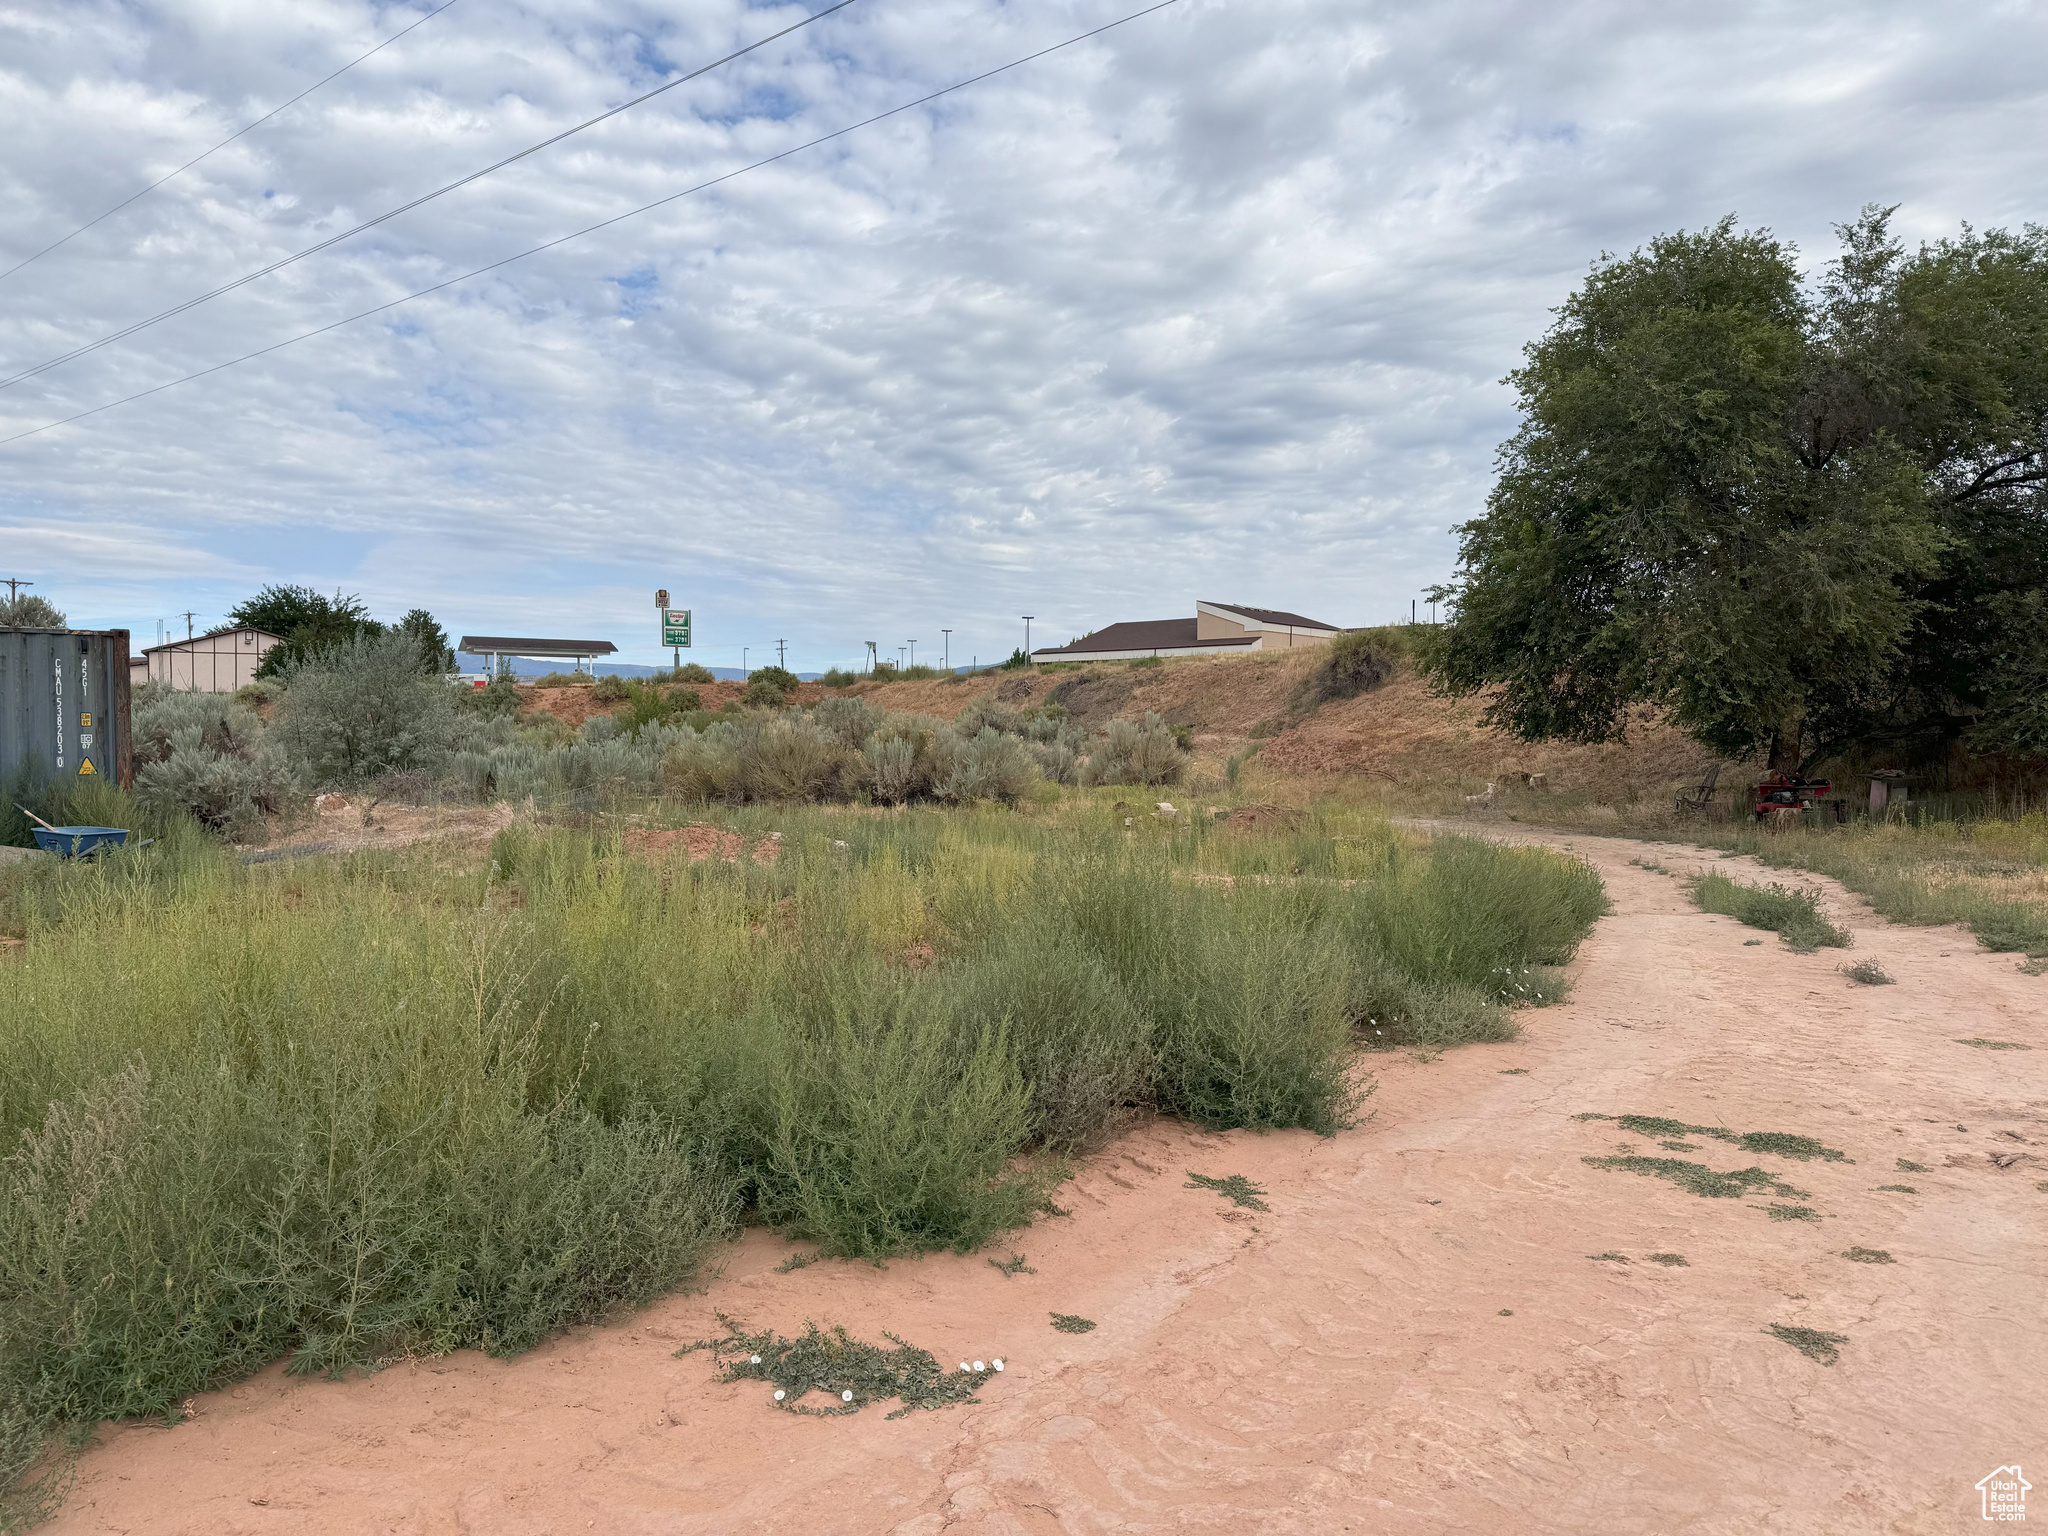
[1413, 1339]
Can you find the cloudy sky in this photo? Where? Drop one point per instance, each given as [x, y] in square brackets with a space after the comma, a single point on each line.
[1216, 304]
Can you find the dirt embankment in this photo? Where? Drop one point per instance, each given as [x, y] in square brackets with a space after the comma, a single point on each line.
[1492, 1307]
[1401, 732]
[575, 704]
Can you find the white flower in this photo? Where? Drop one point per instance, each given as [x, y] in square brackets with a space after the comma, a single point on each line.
[846, 1397]
[979, 1366]
[753, 1360]
[997, 1364]
[778, 1394]
[963, 1365]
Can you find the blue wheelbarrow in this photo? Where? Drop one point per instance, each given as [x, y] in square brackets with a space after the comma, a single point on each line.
[77, 842]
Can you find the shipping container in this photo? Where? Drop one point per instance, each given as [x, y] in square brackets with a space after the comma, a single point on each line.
[64, 705]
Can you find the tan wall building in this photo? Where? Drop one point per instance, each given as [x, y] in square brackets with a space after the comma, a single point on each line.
[1217, 629]
[1272, 629]
[217, 663]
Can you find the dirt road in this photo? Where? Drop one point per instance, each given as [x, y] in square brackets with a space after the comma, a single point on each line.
[1413, 1339]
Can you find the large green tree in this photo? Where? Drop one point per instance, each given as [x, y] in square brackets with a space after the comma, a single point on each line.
[436, 654]
[308, 621]
[1797, 516]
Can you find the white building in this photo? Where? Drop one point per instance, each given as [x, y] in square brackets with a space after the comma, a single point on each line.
[217, 663]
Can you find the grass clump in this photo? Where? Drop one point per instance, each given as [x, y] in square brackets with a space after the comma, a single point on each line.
[1805, 1149]
[1013, 1266]
[1794, 915]
[1811, 1342]
[795, 1262]
[1609, 1257]
[1670, 1260]
[1793, 1213]
[1867, 1256]
[1906, 1166]
[1235, 1188]
[1067, 1322]
[1777, 1143]
[1995, 1045]
[1696, 1178]
[1868, 973]
[1899, 1189]
[849, 1372]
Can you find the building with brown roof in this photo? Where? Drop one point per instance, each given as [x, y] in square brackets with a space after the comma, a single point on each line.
[1217, 629]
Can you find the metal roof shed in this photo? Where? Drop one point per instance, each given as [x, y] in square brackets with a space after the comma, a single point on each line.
[575, 651]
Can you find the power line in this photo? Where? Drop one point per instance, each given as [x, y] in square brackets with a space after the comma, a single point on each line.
[224, 143]
[588, 229]
[383, 218]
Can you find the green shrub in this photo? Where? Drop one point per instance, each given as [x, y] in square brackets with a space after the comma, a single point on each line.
[1354, 662]
[838, 677]
[791, 757]
[888, 1134]
[851, 720]
[688, 672]
[985, 766]
[1135, 752]
[1794, 915]
[207, 756]
[648, 705]
[361, 708]
[611, 689]
[1083, 1046]
[890, 769]
[1254, 1024]
[496, 700]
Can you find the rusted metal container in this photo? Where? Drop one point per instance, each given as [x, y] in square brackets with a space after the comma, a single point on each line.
[64, 705]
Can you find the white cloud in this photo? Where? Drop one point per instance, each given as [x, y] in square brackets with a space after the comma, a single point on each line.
[1216, 305]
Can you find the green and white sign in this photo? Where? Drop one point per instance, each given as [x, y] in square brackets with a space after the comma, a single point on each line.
[675, 626]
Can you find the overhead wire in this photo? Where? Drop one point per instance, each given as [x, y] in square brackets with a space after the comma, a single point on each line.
[313, 250]
[588, 229]
[224, 143]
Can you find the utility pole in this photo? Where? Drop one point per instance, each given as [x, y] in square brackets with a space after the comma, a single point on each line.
[782, 654]
[913, 653]
[1027, 634]
[14, 586]
[949, 648]
[743, 663]
[188, 616]
[1411, 610]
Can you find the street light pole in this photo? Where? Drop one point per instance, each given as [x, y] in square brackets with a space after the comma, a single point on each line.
[913, 652]
[949, 648]
[743, 663]
[1027, 634]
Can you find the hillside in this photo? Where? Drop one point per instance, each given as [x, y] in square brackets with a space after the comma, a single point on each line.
[1399, 733]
